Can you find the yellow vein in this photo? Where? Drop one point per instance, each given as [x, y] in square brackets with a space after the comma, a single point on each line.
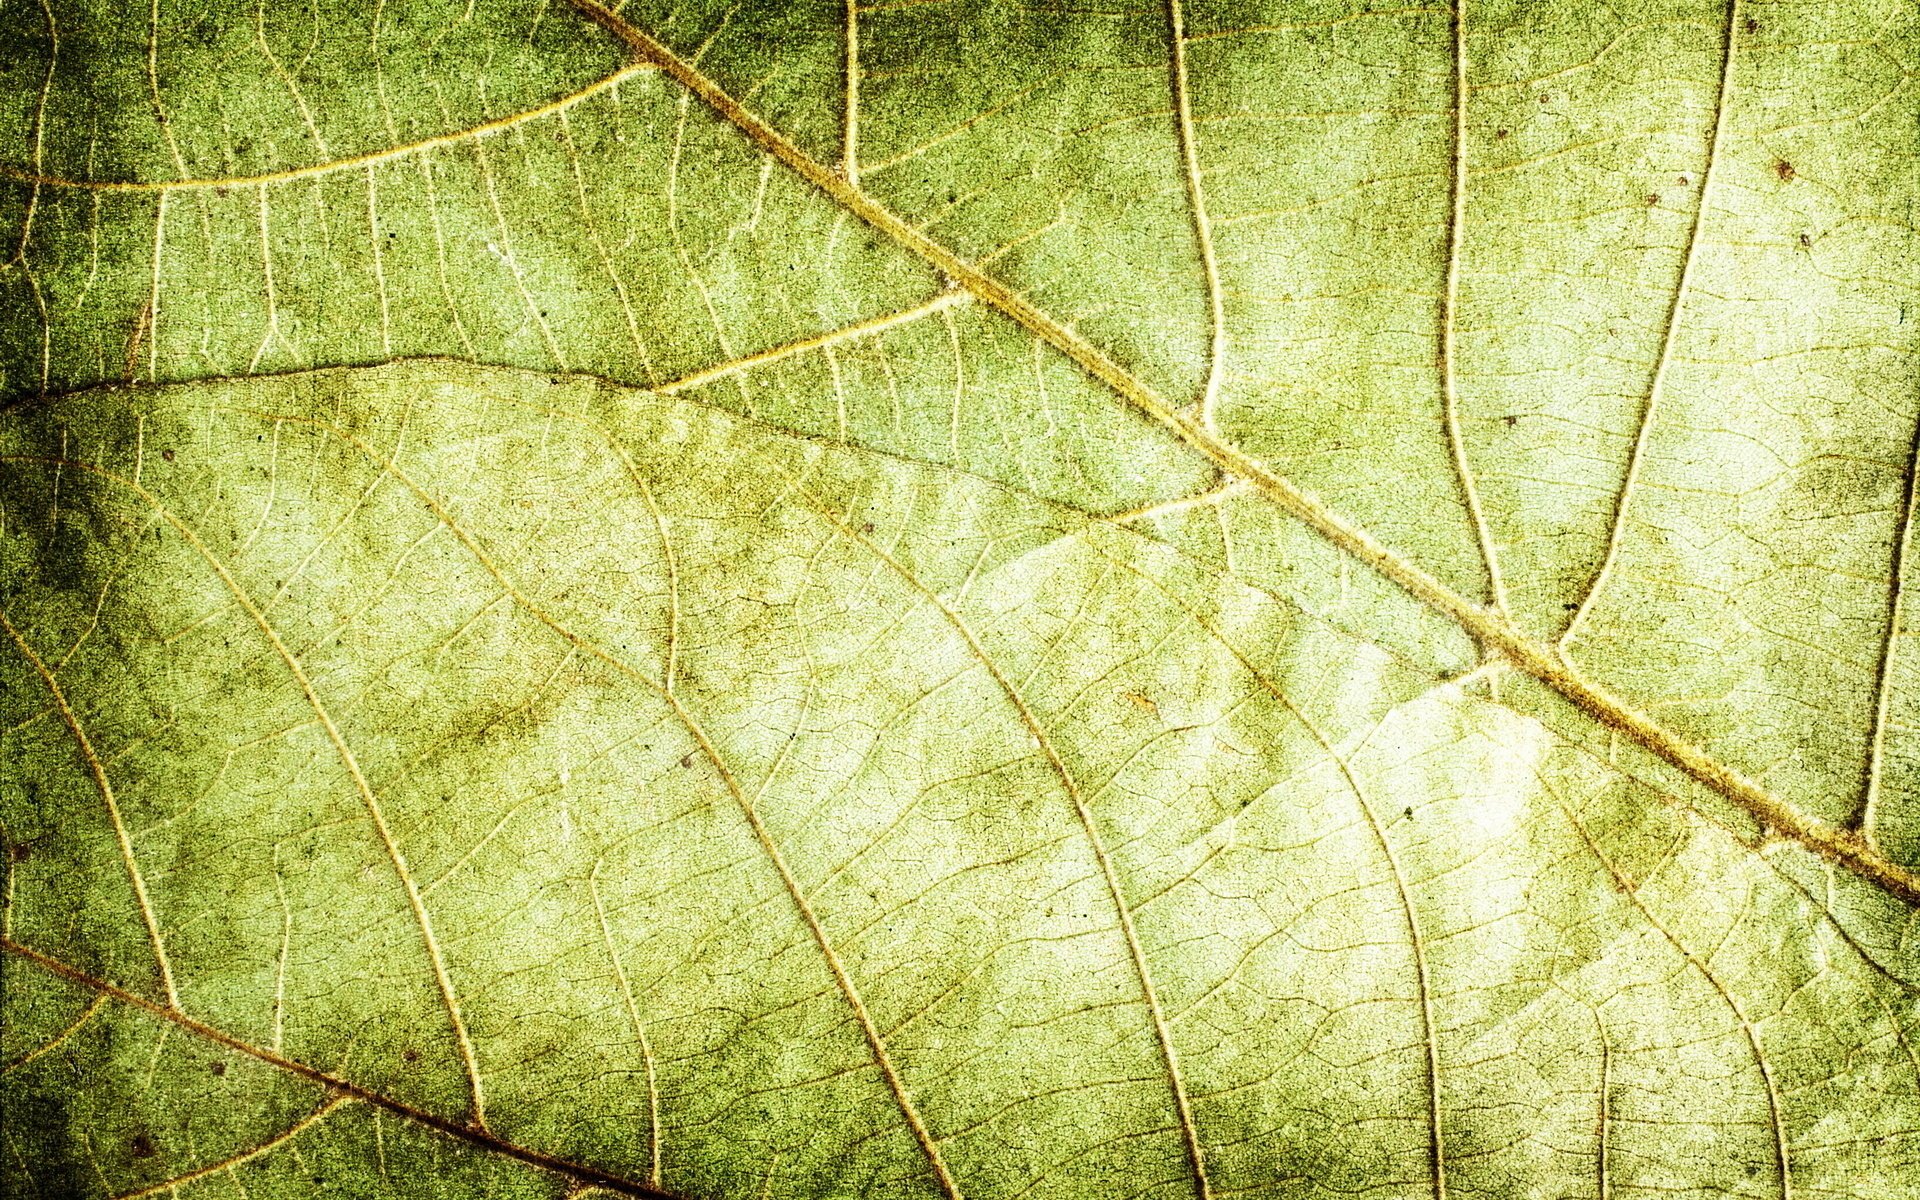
[859, 329]
[1197, 204]
[1163, 1034]
[153, 89]
[883, 1060]
[1450, 317]
[347, 759]
[1868, 810]
[59, 1039]
[1436, 1141]
[1627, 887]
[1723, 104]
[121, 836]
[338, 164]
[264, 1148]
[1492, 629]
[639, 1027]
[470, 1134]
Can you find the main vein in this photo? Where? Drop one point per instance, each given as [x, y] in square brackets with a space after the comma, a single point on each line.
[1493, 629]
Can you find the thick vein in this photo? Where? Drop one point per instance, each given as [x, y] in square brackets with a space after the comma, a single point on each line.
[1868, 810]
[352, 764]
[1450, 318]
[850, 100]
[280, 1139]
[1616, 534]
[1197, 205]
[1429, 1029]
[1183, 1107]
[1494, 630]
[883, 1059]
[471, 1134]
[121, 836]
[330, 166]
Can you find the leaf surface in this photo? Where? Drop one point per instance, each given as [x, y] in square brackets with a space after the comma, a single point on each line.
[958, 600]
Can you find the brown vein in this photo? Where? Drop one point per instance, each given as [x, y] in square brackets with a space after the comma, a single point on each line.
[1450, 318]
[471, 1134]
[883, 1060]
[1494, 630]
[331, 165]
[98, 769]
[1183, 1108]
[1197, 205]
[367, 798]
[264, 1148]
[1616, 535]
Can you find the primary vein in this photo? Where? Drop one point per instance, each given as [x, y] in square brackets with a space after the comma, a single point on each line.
[1494, 630]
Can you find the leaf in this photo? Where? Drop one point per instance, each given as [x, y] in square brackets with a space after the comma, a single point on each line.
[947, 599]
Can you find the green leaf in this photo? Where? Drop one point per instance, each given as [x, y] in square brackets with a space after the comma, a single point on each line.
[948, 599]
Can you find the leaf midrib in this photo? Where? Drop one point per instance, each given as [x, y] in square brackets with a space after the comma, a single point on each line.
[1496, 633]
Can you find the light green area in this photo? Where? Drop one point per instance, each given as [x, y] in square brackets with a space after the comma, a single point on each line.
[519, 604]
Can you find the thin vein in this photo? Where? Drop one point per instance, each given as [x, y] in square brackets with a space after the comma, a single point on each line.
[883, 1059]
[1450, 318]
[1626, 886]
[1436, 1141]
[1493, 630]
[59, 1039]
[330, 166]
[1202, 224]
[1868, 811]
[1616, 534]
[859, 329]
[850, 131]
[264, 1148]
[367, 798]
[1183, 1107]
[470, 1134]
[639, 1028]
[124, 839]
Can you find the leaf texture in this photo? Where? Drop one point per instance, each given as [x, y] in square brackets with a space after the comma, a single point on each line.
[958, 599]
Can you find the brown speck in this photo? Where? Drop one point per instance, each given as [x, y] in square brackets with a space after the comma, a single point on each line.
[1753, 26]
[1623, 882]
[1511, 420]
[1784, 170]
[20, 852]
[167, 454]
[1500, 133]
[1141, 701]
[686, 760]
[1544, 97]
[142, 1146]
[217, 1067]
[866, 527]
[1653, 198]
[410, 1054]
[1806, 242]
[1685, 182]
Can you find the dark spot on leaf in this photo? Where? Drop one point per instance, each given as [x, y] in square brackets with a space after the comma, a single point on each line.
[1653, 198]
[866, 527]
[1753, 26]
[1407, 812]
[1569, 606]
[217, 1067]
[142, 1146]
[410, 1054]
[1784, 170]
[1544, 97]
[1685, 182]
[167, 454]
[1511, 420]
[1806, 241]
[1500, 133]
[686, 760]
